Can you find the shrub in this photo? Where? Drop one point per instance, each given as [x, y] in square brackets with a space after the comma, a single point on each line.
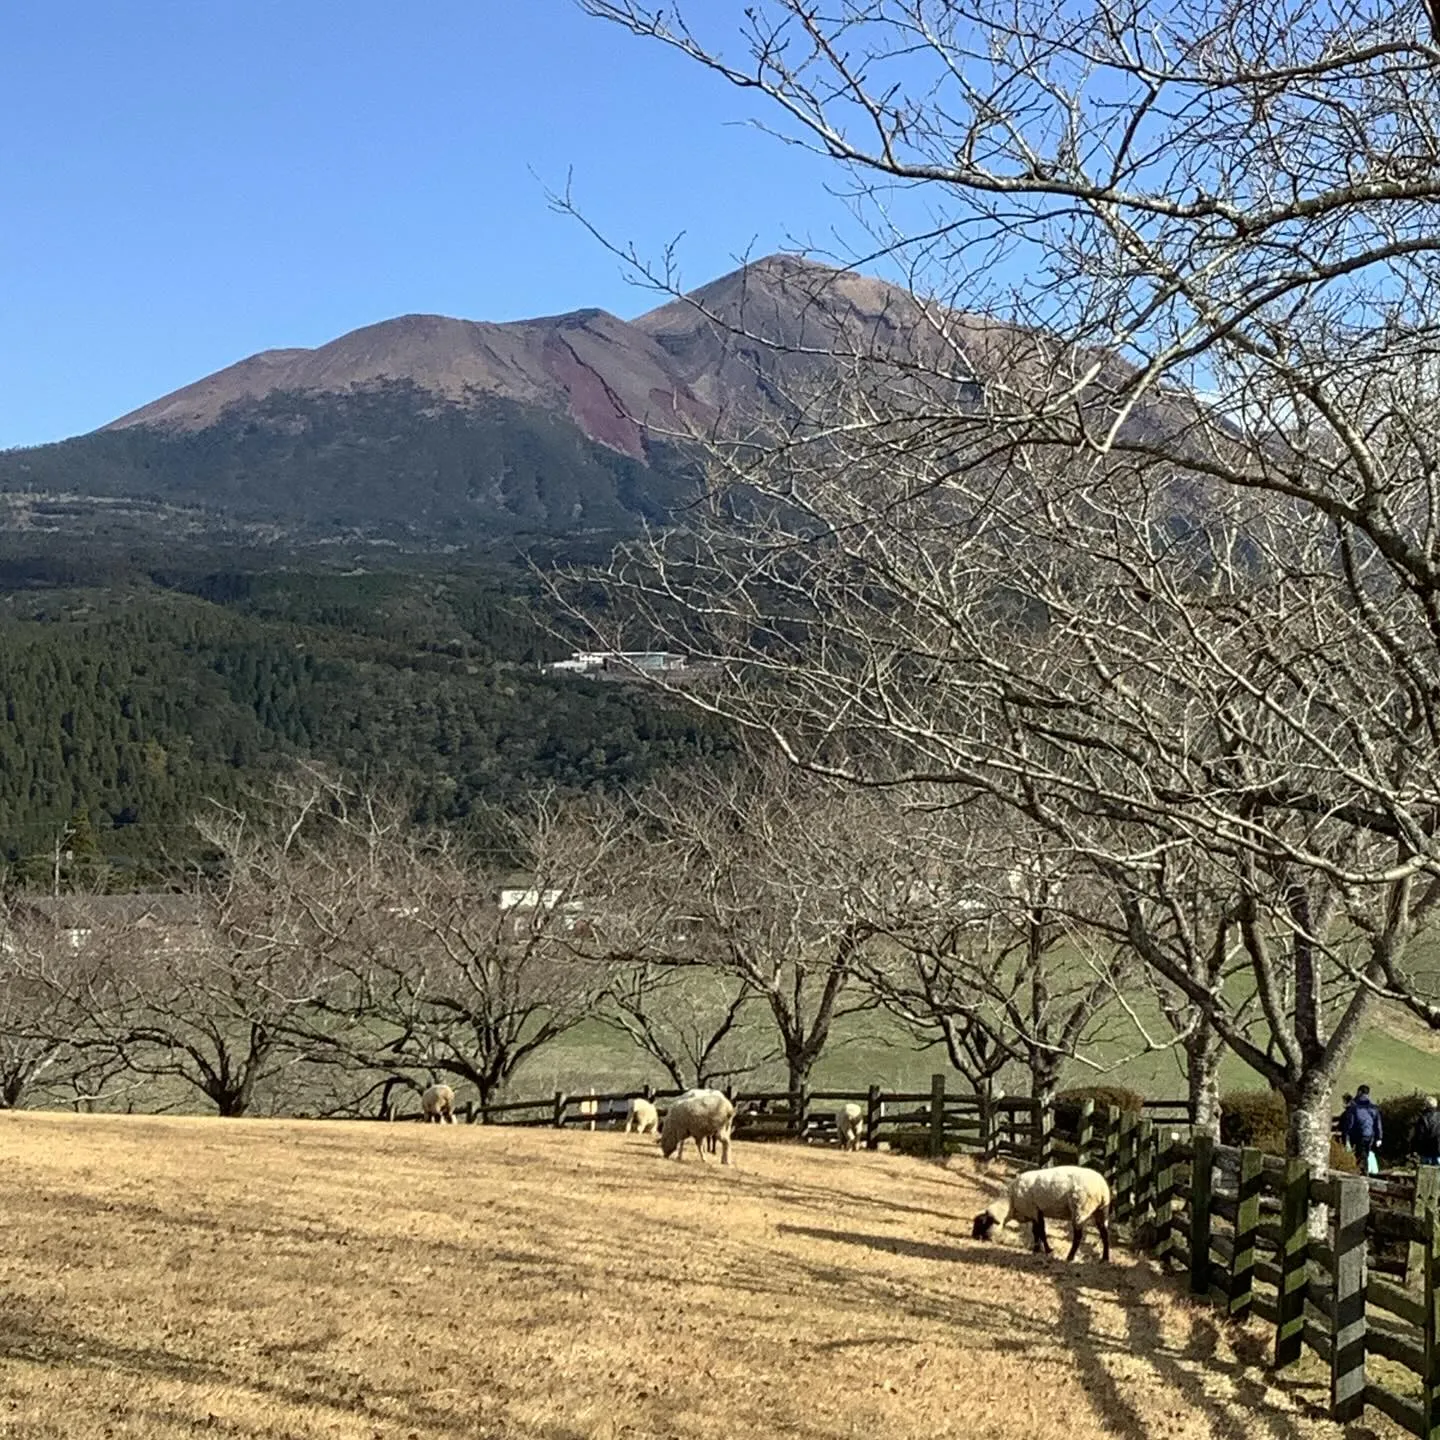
[1248, 1117]
[1110, 1097]
[1260, 1119]
[1399, 1115]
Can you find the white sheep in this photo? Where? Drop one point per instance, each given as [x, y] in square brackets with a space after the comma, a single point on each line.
[1064, 1192]
[698, 1115]
[643, 1119]
[438, 1104]
[849, 1126]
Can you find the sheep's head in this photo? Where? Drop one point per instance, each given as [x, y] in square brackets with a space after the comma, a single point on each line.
[985, 1223]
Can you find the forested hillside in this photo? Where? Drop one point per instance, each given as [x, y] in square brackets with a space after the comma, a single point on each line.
[127, 707]
[390, 459]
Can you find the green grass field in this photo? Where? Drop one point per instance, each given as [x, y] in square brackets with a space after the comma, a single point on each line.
[1395, 1056]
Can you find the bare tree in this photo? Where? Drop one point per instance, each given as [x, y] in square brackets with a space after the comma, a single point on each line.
[49, 982]
[695, 1021]
[461, 969]
[763, 869]
[1144, 545]
[984, 944]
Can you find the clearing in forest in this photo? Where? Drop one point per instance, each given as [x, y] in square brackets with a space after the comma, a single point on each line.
[166, 1277]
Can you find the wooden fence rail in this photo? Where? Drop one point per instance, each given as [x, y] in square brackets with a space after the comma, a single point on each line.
[1347, 1269]
[1264, 1238]
[935, 1122]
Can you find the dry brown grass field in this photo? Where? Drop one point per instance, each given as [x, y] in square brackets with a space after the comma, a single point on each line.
[178, 1277]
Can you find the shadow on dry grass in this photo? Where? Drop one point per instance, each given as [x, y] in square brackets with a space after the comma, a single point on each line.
[1213, 1356]
[390, 1282]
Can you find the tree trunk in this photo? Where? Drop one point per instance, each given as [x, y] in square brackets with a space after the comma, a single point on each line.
[1309, 1135]
[1202, 1074]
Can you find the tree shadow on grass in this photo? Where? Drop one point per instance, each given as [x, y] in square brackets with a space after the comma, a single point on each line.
[33, 1338]
[1194, 1370]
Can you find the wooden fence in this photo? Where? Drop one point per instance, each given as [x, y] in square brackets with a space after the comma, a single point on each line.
[934, 1122]
[1346, 1268]
[1356, 1280]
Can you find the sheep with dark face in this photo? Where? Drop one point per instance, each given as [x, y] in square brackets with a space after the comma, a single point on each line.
[698, 1115]
[437, 1105]
[1063, 1192]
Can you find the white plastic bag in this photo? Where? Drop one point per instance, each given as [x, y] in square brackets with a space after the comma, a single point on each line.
[1372, 1165]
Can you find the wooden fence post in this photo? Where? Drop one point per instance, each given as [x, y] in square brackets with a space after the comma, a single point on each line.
[1202, 1176]
[937, 1117]
[1167, 1183]
[1043, 1132]
[1292, 1255]
[874, 1112]
[1110, 1166]
[558, 1112]
[649, 1091]
[1085, 1134]
[1144, 1227]
[1427, 1194]
[469, 1112]
[1430, 1381]
[987, 1123]
[1347, 1323]
[1240, 1293]
[1124, 1182]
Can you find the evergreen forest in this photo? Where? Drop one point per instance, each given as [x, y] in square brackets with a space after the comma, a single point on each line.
[131, 704]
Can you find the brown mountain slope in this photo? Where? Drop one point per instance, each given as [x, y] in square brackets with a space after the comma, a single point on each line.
[781, 330]
[609, 377]
[751, 343]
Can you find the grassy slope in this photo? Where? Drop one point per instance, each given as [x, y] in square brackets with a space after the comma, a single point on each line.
[1395, 1056]
[163, 1277]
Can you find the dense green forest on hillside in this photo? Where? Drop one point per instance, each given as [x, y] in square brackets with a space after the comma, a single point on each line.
[129, 704]
[390, 459]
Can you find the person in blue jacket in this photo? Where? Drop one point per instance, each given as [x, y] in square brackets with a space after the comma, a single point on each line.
[1362, 1128]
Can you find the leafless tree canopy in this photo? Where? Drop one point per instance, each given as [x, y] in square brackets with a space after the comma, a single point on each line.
[1168, 586]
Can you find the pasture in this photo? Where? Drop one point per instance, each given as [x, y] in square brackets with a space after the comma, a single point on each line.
[168, 1277]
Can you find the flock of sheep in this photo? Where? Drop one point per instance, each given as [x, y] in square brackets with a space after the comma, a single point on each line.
[1060, 1192]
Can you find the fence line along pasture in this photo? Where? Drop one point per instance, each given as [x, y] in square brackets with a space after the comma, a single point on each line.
[1235, 1220]
[1239, 1224]
[934, 1122]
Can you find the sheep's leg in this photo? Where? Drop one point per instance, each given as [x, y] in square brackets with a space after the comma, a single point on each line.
[1102, 1224]
[725, 1149]
[1077, 1235]
[1042, 1243]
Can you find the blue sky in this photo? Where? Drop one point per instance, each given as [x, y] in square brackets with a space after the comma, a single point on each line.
[186, 182]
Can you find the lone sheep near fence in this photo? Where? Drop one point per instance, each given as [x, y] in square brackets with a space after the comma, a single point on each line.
[850, 1125]
[438, 1104]
[698, 1115]
[643, 1119]
[1064, 1192]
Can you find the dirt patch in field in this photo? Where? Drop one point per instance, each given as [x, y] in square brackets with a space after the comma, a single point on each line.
[171, 1277]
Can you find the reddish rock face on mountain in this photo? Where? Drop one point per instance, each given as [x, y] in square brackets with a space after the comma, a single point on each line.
[739, 348]
[609, 377]
[432, 428]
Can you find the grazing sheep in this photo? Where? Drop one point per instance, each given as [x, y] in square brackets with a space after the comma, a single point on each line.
[849, 1126]
[698, 1115]
[1063, 1192]
[438, 1104]
[644, 1118]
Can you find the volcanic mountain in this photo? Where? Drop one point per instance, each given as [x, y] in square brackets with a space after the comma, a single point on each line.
[444, 429]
